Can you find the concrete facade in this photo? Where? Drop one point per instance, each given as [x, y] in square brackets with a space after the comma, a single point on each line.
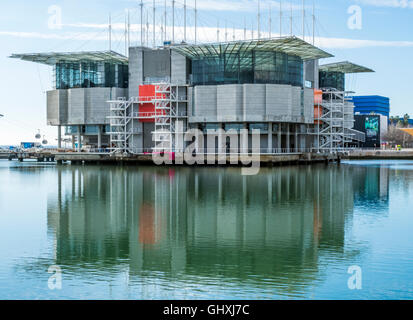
[251, 103]
[81, 106]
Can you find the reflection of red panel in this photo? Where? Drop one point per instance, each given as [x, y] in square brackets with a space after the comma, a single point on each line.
[318, 99]
[147, 110]
[147, 225]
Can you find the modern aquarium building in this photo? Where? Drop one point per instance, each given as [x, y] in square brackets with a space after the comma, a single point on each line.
[132, 105]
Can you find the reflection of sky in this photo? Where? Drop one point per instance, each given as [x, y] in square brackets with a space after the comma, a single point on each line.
[289, 232]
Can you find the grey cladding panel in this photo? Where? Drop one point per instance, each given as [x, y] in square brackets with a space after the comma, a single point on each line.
[135, 71]
[205, 103]
[178, 68]
[229, 103]
[156, 64]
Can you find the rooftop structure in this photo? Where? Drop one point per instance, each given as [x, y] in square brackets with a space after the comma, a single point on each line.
[289, 45]
[332, 75]
[344, 67]
[53, 58]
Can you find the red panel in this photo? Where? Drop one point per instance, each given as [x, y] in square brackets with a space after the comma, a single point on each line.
[147, 93]
[318, 99]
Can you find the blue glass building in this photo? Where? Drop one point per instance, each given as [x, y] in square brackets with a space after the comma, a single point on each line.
[372, 104]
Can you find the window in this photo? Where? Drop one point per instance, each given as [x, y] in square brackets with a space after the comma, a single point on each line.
[90, 75]
[248, 67]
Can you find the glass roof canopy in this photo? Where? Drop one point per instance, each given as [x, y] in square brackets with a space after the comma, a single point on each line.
[344, 67]
[287, 45]
[54, 57]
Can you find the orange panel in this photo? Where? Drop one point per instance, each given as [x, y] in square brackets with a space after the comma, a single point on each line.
[318, 99]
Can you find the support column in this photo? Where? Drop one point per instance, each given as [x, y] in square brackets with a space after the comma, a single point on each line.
[279, 138]
[73, 143]
[59, 137]
[288, 145]
[296, 137]
[270, 138]
[79, 139]
[99, 136]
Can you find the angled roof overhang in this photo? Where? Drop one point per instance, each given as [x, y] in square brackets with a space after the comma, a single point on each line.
[55, 57]
[289, 45]
[344, 67]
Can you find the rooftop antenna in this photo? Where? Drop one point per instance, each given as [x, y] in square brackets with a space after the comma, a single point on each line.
[313, 22]
[233, 34]
[165, 22]
[252, 31]
[304, 20]
[226, 31]
[126, 35]
[291, 20]
[259, 20]
[128, 31]
[269, 22]
[218, 31]
[245, 28]
[281, 20]
[141, 5]
[110, 32]
[195, 21]
[147, 28]
[173, 21]
[154, 21]
[185, 20]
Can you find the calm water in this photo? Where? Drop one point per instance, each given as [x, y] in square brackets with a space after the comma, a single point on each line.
[206, 233]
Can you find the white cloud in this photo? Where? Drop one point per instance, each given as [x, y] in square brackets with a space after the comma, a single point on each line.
[205, 34]
[388, 3]
[227, 5]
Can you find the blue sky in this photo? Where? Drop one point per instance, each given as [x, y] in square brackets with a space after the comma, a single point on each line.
[384, 43]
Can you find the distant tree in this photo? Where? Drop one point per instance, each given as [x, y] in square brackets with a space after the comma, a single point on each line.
[395, 136]
[406, 118]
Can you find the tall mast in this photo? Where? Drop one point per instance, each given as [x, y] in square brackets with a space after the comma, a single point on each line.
[304, 20]
[281, 20]
[291, 20]
[218, 31]
[259, 20]
[245, 28]
[153, 21]
[226, 31]
[313, 22]
[128, 30]
[166, 37]
[110, 33]
[126, 34]
[173, 21]
[269, 23]
[185, 20]
[147, 28]
[195, 21]
[141, 5]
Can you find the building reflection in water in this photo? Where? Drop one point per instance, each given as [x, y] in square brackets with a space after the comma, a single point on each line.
[208, 223]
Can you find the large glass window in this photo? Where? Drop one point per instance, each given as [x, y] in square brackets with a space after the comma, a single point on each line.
[329, 79]
[91, 74]
[248, 67]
